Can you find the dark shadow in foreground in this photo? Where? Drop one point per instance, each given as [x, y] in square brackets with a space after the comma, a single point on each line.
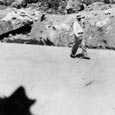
[16, 104]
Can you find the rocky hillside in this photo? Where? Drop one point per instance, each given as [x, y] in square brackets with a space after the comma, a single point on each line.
[34, 25]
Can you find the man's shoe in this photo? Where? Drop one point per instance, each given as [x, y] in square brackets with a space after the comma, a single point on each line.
[73, 56]
[85, 56]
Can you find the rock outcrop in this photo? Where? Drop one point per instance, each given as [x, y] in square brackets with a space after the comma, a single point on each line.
[98, 20]
[17, 19]
[99, 24]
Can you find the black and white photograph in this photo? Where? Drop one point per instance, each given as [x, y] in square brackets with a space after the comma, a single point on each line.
[57, 57]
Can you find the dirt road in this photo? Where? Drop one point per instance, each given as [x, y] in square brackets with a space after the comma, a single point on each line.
[61, 85]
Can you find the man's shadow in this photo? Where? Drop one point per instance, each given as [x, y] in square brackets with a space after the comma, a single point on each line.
[16, 104]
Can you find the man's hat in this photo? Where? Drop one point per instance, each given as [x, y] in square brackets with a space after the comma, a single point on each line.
[79, 17]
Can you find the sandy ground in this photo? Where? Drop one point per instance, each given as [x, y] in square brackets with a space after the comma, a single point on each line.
[61, 85]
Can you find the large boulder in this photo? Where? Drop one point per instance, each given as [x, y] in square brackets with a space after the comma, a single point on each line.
[17, 19]
[55, 30]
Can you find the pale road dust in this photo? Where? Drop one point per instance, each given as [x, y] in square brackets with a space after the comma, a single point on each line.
[61, 85]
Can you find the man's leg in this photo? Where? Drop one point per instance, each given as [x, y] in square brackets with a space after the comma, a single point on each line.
[84, 52]
[75, 47]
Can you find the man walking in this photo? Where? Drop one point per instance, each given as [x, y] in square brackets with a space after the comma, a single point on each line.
[78, 39]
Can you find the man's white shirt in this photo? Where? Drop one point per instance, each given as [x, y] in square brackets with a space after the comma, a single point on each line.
[77, 28]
